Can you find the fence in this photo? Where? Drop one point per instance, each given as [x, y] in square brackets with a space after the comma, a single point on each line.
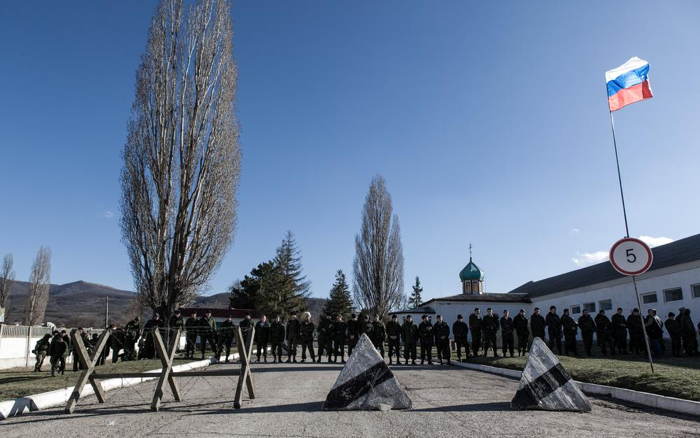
[17, 343]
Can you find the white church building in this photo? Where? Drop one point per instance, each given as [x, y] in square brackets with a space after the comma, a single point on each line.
[672, 282]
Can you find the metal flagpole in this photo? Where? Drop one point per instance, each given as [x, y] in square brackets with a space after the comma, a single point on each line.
[627, 231]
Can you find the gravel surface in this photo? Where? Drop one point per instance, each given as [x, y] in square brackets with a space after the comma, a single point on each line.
[447, 401]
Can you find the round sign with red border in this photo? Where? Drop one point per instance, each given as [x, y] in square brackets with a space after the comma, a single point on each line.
[630, 256]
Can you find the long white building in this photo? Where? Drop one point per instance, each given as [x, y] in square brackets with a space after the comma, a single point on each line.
[672, 282]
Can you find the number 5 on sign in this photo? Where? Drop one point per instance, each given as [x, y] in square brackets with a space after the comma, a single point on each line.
[630, 256]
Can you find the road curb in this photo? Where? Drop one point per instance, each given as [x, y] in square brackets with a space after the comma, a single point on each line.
[50, 399]
[673, 404]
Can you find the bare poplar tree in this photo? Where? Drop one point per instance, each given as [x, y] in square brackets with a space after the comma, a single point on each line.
[378, 264]
[7, 277]
[38, 296]
[181, 158]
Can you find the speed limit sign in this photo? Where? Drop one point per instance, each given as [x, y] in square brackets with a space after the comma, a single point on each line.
[630, 256]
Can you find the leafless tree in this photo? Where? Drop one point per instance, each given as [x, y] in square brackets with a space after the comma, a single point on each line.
[38, 296]
[7, 277]
[378, 264]
[181, 158]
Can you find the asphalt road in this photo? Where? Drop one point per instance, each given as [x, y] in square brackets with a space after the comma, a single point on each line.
[447, 401]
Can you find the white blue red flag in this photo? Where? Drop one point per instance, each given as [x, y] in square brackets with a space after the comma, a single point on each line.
[628, 83]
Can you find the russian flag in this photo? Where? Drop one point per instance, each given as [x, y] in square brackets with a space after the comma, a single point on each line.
[628, 83]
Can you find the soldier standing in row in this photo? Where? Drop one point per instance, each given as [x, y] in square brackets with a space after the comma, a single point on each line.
[634, 325]
[522, 331]
[177, 322]
[324, 327]
[409, 334]
[587, 326]
[227, 334]
[262, 337]
[339, 332]
[209, 334]
[603, 328]
[442, 340]
[191, 330]
[507, 327]
[277, 339]
[460, 330]
[537, 324]
[307, 337]
[425, 332]
[674, 331]
[490, 324]
[570, 330]
[393, 331]
[353, 332]
[378, 334]
[554, 329]
[475, 325]
[293, 327]
[619, 326]
[41, 349]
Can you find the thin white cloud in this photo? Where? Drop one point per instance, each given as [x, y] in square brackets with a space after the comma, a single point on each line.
[109, 214]
[655, 241]
[591, 258]
[575, 231]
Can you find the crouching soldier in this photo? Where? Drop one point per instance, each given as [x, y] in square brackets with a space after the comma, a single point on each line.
[393, 331]
[41, 349]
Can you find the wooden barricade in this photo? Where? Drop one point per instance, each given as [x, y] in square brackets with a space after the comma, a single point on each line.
[166, 374]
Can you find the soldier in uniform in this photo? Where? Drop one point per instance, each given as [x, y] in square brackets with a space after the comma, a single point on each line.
[377, 334]
[587, 326]
[507, 328]
[425, 333]
[149, 346]
[192, 330]
[475, 325]
[554, 329]
[246, 326]
[41, 349]
[409, 335]
[490, 325]
[277, 339]
[293, 331]
[619, 326]
[522, 331]
[57, 352]
[306, 333]
[323, 337]
[353, 333]
[226, 338]
[339, 334]
[634, 325]
[570, 330]
[602, 333]
[442, 340]
[393, 331]
[209, 334]
[537, 324]
[262, 337]
[460, 330]
[674, 331]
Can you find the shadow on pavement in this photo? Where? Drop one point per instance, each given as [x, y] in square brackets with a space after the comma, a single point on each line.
[476, 407]
[295, 407]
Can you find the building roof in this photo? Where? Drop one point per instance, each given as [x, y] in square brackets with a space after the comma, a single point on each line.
[419, 309]
[218, 312]
[487, 297]
[674, 253]
[471, 272]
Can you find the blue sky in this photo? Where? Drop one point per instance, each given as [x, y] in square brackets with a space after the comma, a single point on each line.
[488, 120]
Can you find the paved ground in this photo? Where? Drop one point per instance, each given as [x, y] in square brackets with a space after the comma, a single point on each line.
[447, 402]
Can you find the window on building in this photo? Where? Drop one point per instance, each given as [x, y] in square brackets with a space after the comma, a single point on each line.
[605, 304]
[575, 309]
[696, 290]
[589, 307]
[649, 298]
[675, 294]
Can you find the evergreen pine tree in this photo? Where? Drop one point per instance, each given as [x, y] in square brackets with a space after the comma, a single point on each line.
[416, 300]
[340, 300]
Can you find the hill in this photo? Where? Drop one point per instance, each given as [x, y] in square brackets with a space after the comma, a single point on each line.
[82, 303]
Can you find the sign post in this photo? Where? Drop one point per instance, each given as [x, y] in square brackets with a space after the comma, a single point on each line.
[632, 257]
